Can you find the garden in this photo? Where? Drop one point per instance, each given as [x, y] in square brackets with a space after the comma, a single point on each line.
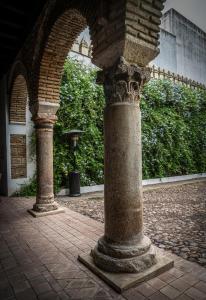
[173, 128]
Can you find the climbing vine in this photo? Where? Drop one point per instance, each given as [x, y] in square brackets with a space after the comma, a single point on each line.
[173, 127]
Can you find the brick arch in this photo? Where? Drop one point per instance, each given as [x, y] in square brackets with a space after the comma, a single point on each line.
[60, 40]
[18, 100]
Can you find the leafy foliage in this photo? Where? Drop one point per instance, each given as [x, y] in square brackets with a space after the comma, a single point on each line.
[27, 189]
[173, 127]
[81, 107]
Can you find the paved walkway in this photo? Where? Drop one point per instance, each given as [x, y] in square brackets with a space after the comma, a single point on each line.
[38, 260]
[174, 216]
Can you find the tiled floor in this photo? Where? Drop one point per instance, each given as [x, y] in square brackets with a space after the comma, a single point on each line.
[38, 260]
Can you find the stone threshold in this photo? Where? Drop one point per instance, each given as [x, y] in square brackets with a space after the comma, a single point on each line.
[46, 213]
[120, 282]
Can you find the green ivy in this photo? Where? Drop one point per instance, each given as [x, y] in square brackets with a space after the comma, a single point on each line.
[81, 107]
[173, 128]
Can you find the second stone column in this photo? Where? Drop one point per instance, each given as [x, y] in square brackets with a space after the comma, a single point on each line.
[45, 202]
[44, 151]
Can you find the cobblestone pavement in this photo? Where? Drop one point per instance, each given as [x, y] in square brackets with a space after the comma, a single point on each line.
[174, 217]
[38, 260]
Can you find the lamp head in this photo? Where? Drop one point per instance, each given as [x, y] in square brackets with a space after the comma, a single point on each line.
[73, 136]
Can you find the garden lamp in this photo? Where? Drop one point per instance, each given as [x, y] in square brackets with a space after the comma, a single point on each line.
[74, 176]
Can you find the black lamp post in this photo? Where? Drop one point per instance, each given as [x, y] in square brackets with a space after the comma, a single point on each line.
[74, 176]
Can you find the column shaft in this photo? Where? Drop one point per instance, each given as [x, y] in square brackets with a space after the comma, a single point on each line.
[44, 153]
[123, 248]
[123, 178]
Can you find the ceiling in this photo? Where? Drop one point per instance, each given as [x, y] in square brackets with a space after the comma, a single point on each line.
[17, 19]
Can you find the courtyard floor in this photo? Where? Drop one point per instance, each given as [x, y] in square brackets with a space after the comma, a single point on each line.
[38, 260]
[174, 217]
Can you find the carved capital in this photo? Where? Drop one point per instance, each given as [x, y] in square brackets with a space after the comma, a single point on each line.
[44, 110]
[123, 81]
[44, 114]
[44, 123]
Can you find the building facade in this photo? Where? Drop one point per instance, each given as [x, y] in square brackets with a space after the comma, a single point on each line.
[182, 47]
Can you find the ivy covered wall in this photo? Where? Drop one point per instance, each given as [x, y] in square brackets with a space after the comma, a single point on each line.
[173, 128]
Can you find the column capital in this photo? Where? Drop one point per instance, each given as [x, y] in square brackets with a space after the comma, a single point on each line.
[44, 122]
[123, 82]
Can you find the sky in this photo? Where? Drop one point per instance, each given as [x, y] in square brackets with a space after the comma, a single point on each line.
[194, 10]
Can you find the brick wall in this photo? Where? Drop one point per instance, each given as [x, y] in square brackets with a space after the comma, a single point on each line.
[60, 41]
[18, 156]
[117, 27]
[18, 101]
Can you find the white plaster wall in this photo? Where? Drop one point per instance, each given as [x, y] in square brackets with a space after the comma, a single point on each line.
[85, 60]
[167, 59]
[3, 128]
[27, 129]
[190, 47]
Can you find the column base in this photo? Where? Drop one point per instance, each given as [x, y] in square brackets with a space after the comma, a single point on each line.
[40, 207]
[40, 210]
[135, 264]
[123, 281]
[125, 258]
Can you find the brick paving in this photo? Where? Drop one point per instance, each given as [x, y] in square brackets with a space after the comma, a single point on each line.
[38, 260]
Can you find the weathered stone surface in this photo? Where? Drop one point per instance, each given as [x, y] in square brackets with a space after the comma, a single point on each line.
[133, 264]
[44, 207]
[44, 151]
[117, 250]
[123, 247]
[123, 81]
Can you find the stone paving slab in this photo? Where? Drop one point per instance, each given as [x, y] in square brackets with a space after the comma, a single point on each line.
[38, 260]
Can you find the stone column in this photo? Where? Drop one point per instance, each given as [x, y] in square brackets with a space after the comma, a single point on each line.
[124, 247]
[44, 117]
[44, 153]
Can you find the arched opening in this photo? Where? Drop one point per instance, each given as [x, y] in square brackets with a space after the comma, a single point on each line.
[21, 166]
[63, 34]
[18, 101]
[82, 103]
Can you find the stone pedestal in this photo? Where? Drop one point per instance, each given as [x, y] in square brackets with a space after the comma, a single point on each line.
[45, 203]
[123, 248]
